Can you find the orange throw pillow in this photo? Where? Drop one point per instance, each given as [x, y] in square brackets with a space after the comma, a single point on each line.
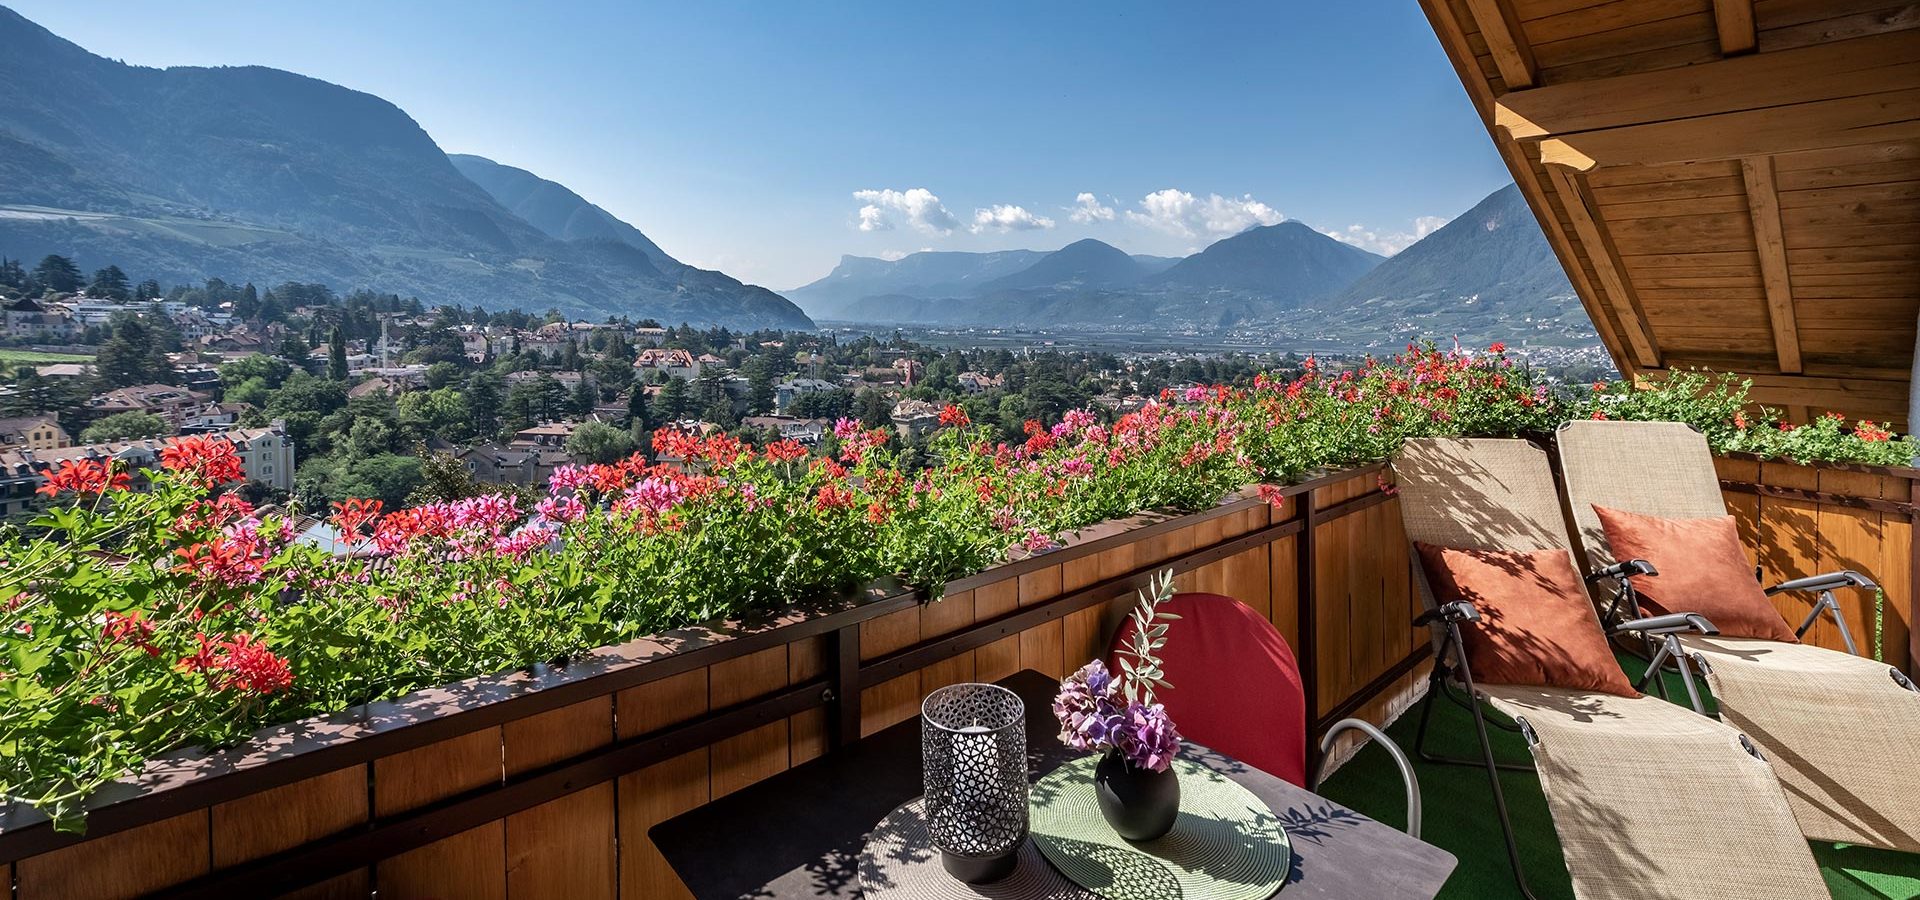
[1702, 570]
[1536, 626]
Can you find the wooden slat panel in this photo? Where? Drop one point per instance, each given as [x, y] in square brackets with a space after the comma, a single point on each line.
[1000, 658]
[889, 633]
[565, 847]
[1895, 576]
[1851, 539]
[894, 700]
[648, 797]
[1783, 555]
[1043, 648]
[748, 758]
[285, 817]
[470, 864]
[663, 790]
[1786, 24]
[124, 864]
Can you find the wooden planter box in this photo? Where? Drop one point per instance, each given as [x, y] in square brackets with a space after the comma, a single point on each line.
[544, 782]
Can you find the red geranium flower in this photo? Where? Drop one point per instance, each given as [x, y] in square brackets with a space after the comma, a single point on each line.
[85, 476]
[953, 415]
[786, 451]
[207, 461]
[355, 515]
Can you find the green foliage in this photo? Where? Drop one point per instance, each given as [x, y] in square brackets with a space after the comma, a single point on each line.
[598, 442]
[1717, 406]
[125, 426]
[139, 622]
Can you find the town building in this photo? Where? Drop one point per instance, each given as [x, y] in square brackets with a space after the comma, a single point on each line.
[786, 392]
[912, 418]
[33, 433]
[266, 456]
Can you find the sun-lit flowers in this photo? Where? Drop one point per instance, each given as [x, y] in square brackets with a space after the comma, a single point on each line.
[86, 477]
[206, 461]
[954, 416]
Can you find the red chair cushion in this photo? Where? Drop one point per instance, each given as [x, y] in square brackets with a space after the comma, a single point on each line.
[1236, 685]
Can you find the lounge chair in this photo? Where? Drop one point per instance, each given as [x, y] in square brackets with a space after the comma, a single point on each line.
[1842, 731]
[1649, 799]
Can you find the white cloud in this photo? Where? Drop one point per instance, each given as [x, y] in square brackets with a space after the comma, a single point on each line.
[893, 255]
[1387, 243]
[1004, 217]
[1181, 213]
[918, 208]
[1087, 209]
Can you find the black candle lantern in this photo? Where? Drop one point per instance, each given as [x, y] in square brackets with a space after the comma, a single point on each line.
[973, 749]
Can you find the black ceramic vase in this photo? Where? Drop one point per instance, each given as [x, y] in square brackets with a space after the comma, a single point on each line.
[1140, 804]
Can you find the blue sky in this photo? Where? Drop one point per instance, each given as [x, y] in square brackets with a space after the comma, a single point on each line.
[768, 138]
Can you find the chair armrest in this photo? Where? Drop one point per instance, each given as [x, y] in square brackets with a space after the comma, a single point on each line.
[1626, 569]
[1827, 582]
[1457, 611]
[1407, 776]
[1672, 623]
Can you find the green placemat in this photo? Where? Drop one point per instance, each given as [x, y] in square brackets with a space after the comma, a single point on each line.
[1226, 845]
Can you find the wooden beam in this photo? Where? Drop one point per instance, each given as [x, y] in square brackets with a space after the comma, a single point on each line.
[1763, 203]
[1734, 20]
[1606, 263]
[1500, 28]
[1882, 401]
[1839, 70]
[1827, 125]
[1525, 175]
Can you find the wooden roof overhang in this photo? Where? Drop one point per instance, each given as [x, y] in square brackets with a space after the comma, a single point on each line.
[1732, 184]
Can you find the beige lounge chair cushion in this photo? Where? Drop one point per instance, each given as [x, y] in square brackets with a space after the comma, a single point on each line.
[1843, 736]
[1653, 801]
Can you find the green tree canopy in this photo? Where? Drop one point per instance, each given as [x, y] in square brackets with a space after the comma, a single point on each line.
[125, 426]
[601, 443]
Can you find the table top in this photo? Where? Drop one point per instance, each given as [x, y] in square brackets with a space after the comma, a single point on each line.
[799, 834]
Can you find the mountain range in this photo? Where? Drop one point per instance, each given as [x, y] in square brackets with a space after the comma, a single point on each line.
[1254, 274]
[256, 174]
[1488, 274]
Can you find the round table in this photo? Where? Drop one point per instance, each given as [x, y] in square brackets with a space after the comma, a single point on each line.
[1227, 845]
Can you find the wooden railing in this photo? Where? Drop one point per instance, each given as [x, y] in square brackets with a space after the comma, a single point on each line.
[1800, 520]
[545, 782]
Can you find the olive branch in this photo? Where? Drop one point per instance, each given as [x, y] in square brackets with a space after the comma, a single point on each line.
[1139, 658]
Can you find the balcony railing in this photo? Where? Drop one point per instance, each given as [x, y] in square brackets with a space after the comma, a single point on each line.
[547, 780]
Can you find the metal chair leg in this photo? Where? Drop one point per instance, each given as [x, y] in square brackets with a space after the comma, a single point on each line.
[1437, 685]
[1500, 805]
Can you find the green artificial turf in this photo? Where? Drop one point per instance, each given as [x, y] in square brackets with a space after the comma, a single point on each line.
[1460, 817]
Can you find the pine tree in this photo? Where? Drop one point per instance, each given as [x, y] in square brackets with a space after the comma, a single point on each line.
[110, 283]
[672, 403]
[58, 274]
[585, 398]
[337, 354]
[637, 413]
[483, 397]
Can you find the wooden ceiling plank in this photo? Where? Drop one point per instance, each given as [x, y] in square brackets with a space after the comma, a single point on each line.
[1734, 20]
[1763, 201]
[1871, 119]
[1506, 41]
[1869, 65]
[1619, 291]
